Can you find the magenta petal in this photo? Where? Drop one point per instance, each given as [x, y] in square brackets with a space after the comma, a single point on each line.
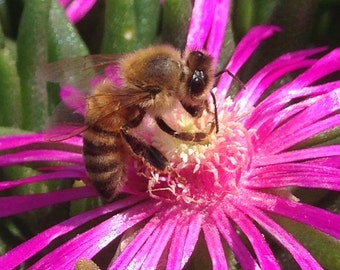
[88, 244]
[244, 50]
[64, 3]
[13, 205]
[135, 245]
[26, 250]
[296, 136]
[297, 155]
[73, 98]
[201, 21]
[66, 174]
[299, 253]
[215, 248]
[218, 29]
[271, 72]
[263, 252]
[287, 175]
[234, 241]
[317, 218]
[305, 124]
[10, 142]
[323, 67]
[161, 240]
[40, 156]
[175, 256]
[78, 9]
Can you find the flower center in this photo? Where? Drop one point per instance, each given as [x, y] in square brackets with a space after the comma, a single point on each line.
[202, 172]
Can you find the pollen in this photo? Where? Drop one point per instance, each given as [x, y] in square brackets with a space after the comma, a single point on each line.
[202, 172]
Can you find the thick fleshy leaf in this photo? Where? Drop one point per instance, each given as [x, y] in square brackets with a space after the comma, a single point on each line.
[10, 97]
[175, 23]
[32, 52]
[120, 31]
[148, 15]
[60, 45]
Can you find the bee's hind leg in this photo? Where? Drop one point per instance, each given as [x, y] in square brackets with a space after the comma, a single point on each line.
[184, 136]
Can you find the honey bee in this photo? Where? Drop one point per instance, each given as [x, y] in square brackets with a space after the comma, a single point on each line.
[153, 79]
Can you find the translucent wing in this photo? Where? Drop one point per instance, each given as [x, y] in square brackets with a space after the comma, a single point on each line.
[81, 71]
[79, 77]
[68, 118]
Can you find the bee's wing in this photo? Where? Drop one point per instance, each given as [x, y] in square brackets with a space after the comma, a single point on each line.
[68, 118]
[79, 71]
[78, 76]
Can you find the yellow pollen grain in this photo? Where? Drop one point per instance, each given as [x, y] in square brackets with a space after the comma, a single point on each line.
[128, 34]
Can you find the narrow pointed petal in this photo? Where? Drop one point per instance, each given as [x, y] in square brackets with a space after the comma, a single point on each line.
[218, 29]
[96, 238]
[161, 241]
[244, 50]
[201, 21]
[13, 205]
[266, 76]
[301, 175]
[299, 253]
[10, 142]
[215, 248]
[297, 155]
[177, 246]
[77, 9]
[135, 245]
[67, 174]
[18, 255]
[261, 248]
[40, 156]
[315, 217]
[234, 241]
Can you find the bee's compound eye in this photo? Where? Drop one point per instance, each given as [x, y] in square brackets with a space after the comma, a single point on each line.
[196, 54]
[197, 83]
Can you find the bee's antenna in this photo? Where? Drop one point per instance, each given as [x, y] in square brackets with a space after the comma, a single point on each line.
[231, 75]
[215, 110]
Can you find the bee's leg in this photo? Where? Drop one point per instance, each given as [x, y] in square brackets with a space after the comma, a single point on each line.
[147, 153]
[184, 136]
[196, 111]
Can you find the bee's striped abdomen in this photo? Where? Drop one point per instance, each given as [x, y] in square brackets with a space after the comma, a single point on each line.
[105, 158]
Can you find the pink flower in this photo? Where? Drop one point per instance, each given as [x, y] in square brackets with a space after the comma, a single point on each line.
[77, 9]
[226, 187]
